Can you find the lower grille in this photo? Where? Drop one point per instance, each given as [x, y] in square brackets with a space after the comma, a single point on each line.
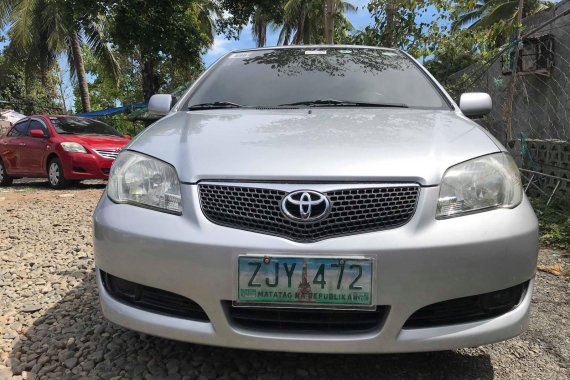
[352, 210]
[152, 299]
[307, 320]
[108, 153]
[467, 309]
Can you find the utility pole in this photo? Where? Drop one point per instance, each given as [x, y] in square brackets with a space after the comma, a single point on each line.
[330, 12]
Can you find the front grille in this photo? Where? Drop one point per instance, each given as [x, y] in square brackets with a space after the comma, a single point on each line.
[108, 153]
[152, 299]
[307, 320]
[467, 309]
[353, 211]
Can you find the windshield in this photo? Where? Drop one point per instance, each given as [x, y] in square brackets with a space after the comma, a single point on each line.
[330, 76]
[67, 125]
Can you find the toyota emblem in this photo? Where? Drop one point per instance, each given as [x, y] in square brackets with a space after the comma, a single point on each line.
[305, 206]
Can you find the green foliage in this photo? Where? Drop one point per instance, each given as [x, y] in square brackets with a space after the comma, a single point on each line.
[105, 91]
[457, 51]
[399, 23]
[23, 92]
[554, 223]
[42, 29]
[122, 124]
[239, 13]
[487, 13]
[498, 19]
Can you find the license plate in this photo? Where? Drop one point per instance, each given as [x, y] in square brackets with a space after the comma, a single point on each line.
[305, 281]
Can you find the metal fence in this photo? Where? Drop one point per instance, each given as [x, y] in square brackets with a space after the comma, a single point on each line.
[529, 82]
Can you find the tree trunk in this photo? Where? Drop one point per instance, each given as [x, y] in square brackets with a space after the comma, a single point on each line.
[330, 13]
[389, 24]
[150, 80]
[299, 36]
[261, 33]
[80, 70]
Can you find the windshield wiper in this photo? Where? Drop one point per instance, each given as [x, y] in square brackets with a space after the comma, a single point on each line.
[215, 105]
[342, 103]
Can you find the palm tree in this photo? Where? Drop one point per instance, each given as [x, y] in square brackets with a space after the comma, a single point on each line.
[259, 23]
[488, 12]
[42, 29]
[206, 11]
[303, 20]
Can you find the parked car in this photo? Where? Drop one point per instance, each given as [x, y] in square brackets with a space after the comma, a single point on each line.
[317, 199]
[60, 148]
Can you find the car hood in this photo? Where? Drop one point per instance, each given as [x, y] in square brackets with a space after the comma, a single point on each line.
[96, 141]
[313, 145]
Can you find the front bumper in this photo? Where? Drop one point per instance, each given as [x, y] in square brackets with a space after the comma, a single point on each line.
[422, 263]
[79, 166]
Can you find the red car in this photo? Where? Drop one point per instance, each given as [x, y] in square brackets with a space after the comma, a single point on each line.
[60, 148]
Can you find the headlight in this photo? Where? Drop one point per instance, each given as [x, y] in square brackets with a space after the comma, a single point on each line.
[481, 184]
[144, 181]
[73, 147]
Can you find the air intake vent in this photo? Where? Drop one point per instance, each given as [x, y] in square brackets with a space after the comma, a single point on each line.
[152, 299]
[307, 320]
[467, 309]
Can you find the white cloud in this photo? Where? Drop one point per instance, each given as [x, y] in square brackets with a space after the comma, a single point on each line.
[220, 46]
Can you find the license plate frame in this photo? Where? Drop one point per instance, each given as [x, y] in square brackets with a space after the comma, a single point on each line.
[333, 299]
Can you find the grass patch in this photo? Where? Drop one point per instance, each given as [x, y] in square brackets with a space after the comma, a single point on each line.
[554, 223]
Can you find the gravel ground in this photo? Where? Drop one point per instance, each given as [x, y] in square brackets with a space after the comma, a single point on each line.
[51, 325]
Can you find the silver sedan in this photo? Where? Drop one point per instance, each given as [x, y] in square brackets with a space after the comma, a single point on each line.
[317, 199]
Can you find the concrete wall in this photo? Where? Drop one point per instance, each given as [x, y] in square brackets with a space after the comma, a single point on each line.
[550, 157]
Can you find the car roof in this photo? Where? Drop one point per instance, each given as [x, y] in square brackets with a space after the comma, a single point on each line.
[305, 47]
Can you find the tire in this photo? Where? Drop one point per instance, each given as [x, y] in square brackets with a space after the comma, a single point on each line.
[55, 174]
[5, 179]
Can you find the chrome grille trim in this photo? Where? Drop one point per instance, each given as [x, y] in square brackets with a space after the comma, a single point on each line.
[356, 208]
[108, 153]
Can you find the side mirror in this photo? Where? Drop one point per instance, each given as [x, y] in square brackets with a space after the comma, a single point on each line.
[128, 137]
[475, 104]
[160, 104]
[36, 133]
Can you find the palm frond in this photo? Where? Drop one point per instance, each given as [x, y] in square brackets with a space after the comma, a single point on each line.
[23, 21]
[96, 39]
[6, 11]
[285, 35]
[346, 6]
[56, 20]
[466, 19]
[506, 12]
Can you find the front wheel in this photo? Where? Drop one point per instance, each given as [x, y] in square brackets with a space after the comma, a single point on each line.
[55, 174]
[5, 179]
